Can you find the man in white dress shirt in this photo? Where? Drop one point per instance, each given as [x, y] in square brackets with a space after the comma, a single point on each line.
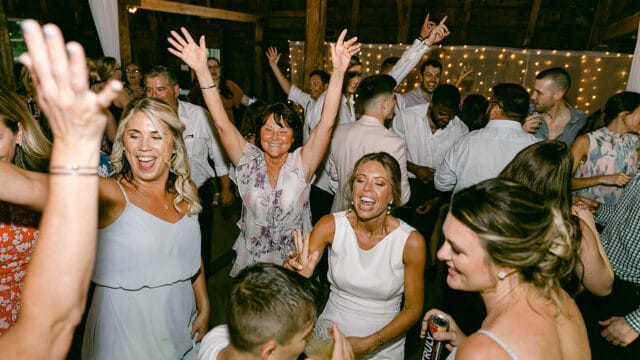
[483, 153]
[429, 130]
[202, 147]
[367, 135]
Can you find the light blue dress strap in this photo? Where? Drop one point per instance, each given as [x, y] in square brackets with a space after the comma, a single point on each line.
[499, 341]
[126, 198]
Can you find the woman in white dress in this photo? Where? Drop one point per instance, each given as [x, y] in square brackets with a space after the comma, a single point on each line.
[374, 259]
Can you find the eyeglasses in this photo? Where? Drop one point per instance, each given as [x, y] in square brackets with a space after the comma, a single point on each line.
[136, 71]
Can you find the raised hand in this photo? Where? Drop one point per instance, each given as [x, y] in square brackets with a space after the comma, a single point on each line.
[59, 73]
[438, 33]
[427, 27]
[184, 47]
[342, 51]
[273, 56]
[300, 260]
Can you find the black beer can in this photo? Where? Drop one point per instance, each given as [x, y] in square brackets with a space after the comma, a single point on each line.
[434, 349]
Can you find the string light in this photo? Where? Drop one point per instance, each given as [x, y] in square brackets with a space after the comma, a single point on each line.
[592, 70]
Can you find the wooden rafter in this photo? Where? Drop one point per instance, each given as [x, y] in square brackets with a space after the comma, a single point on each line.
[404, 19]
[468, 4]
[533, 19]
[355, 13]
[193, 10]
[620, 28]
[124, 34]
[314, 34]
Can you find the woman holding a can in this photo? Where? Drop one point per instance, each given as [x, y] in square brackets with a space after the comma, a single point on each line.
[505, 242]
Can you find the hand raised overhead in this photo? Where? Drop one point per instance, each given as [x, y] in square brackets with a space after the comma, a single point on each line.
[342, 51]
[438, 33]
[184, 47]
[273, 56]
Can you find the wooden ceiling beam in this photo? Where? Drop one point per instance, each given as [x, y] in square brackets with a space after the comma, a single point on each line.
[626, 26]
[404, 19]
[531, 27]
[193, 10]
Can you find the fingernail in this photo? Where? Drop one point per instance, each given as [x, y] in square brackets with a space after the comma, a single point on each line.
[71, 49]
[28, 26]
[48, 30]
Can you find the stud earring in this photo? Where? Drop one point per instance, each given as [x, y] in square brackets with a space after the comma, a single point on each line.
[389, 208]
[502, 275]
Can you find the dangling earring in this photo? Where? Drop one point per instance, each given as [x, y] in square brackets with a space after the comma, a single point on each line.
[502, 275]
[351, 207]
[389, 208]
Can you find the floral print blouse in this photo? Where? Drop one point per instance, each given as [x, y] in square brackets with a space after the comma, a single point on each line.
[269, 215]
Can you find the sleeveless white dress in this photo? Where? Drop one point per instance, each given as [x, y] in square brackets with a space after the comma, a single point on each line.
[366, 285]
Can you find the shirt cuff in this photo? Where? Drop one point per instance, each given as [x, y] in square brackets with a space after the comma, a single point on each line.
[633, 319]
[604, 215]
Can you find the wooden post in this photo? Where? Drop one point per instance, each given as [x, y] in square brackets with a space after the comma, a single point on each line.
[355, 12]
[404, 19]
[468, 4]
[6, 54]
[125, 36]
[533, 19]
[314, 35]
[600, 19]
[259, 31]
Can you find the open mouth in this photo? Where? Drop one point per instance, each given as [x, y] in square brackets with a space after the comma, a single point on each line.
[146, 162]
[367, 203]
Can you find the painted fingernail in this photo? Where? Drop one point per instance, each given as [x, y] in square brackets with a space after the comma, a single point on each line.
[71, 49]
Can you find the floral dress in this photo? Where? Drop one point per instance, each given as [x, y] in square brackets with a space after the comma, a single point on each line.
[18, 234]
[609, 153]
[269, 215]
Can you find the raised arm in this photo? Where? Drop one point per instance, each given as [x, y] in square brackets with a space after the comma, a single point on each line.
[273, 56]
[195, 55]
[55, 289]
[430, 34]
[314, 149]
[22, 187]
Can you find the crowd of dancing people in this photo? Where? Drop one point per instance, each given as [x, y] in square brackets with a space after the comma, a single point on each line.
[354, 197]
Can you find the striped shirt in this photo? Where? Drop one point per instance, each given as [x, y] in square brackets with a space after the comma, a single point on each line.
[621, 239]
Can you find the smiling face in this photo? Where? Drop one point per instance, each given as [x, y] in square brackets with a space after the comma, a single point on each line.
[214, 69]
[159, 88]
[148, 148]
[372, 190]
[440, 115]
[467, 260]
[354, 75]
[8, 141]
[316, 87]
[430, 78]
[275, 139]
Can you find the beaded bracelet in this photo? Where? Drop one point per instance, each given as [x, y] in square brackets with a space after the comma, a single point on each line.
[208, 87]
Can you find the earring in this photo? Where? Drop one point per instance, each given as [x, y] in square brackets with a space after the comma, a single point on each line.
[389, 208]
[502, 275]
[351, 207]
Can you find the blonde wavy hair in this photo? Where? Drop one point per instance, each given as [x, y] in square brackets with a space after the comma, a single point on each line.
[34, 149]
[179, 181]
[521, 231]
